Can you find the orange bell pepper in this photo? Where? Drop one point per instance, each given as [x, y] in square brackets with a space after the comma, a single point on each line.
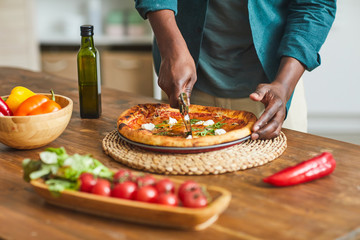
[37, 104]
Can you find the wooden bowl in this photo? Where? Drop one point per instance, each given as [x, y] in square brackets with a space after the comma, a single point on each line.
[29, 132]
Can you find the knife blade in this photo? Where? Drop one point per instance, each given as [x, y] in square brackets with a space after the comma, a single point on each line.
[184, 104]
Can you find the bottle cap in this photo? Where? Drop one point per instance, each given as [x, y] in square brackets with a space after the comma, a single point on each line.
[86, 30]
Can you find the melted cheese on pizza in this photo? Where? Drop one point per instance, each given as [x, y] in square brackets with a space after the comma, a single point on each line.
[166, 123]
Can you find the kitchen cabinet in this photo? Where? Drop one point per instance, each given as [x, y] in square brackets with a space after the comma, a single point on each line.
[62, 64]
[129, 71]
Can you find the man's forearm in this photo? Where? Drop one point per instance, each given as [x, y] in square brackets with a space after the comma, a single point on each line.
[289, 73]
[167, 33]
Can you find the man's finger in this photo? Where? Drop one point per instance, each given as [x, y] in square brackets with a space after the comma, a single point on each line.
[174, 101]
[259, 93]
[188, 87]
[270, 111]
[271, 129]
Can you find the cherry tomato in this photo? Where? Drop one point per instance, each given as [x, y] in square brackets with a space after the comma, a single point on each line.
[147, 193]
[123, 175]
[102, 187]
[87, 182]
[188, 187]
[124, 190]
[195, 200]
[165, 185]
[169, 199]
[145, 180]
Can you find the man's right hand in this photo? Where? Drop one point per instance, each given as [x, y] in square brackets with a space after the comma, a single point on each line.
[177, 70]
[177, 74]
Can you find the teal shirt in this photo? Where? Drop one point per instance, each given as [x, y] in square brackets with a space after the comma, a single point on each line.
[294, 28]
[228, 64]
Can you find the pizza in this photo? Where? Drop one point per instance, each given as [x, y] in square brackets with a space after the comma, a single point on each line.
[160, 125]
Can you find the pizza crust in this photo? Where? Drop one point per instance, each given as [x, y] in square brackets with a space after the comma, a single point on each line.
[140, 112]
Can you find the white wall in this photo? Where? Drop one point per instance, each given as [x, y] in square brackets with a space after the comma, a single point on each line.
[332, 90]
[18, 47]
[64, 17]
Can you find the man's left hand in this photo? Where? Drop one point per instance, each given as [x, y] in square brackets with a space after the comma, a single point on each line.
[275, 96]
[269, 124]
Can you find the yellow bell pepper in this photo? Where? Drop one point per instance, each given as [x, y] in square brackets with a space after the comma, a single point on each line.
[17, 96]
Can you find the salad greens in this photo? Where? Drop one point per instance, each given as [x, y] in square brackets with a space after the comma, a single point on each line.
[61, 171]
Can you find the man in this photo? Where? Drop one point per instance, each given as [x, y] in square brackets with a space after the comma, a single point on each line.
[249, 53]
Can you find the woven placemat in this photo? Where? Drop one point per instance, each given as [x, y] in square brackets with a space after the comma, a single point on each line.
[248, 154]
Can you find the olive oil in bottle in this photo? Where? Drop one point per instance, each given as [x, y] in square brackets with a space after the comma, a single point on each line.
[88, 64]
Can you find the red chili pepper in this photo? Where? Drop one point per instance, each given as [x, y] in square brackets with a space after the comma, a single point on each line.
[4, 108]
[306, 171]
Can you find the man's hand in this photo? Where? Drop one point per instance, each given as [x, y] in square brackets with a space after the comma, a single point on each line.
[177, 72]
[275, 96]
[269, 124]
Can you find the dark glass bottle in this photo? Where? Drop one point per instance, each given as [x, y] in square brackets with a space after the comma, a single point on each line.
[88, 63]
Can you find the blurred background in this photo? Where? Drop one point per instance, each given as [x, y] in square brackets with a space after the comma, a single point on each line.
[43, 35]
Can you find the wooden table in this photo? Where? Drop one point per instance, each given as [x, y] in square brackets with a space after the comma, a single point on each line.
[328, 208]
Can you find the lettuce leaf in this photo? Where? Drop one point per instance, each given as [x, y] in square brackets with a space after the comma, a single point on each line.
[59, 185]
[61, 171]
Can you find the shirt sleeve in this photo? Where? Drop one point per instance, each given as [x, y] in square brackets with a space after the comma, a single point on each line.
[308, 24]
[145, 6]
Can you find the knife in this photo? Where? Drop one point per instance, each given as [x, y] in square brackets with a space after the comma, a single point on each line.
[184, 104]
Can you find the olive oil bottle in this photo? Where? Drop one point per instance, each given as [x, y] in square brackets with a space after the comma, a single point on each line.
[88, 64]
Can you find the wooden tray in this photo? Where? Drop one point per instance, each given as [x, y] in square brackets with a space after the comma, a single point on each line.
[139, 212]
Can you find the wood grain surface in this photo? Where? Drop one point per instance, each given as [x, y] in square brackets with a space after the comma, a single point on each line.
[327, 208]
